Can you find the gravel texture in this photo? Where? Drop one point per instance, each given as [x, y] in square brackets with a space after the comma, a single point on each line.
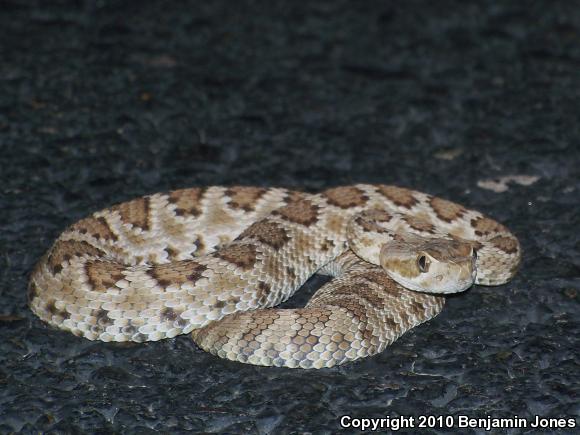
[102, 101]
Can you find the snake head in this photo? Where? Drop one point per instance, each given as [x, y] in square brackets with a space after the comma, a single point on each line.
[430, 265]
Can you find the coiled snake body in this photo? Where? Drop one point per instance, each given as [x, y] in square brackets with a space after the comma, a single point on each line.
[211, 260]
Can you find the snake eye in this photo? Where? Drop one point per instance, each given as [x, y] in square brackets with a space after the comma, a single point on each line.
[474, 254]
[423, 264]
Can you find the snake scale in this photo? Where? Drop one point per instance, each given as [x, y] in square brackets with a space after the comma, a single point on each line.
[213, 261]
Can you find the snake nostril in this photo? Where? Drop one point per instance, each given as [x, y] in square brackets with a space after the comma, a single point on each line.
[439, 277]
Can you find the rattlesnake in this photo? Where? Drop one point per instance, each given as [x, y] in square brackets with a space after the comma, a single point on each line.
[209, 260]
